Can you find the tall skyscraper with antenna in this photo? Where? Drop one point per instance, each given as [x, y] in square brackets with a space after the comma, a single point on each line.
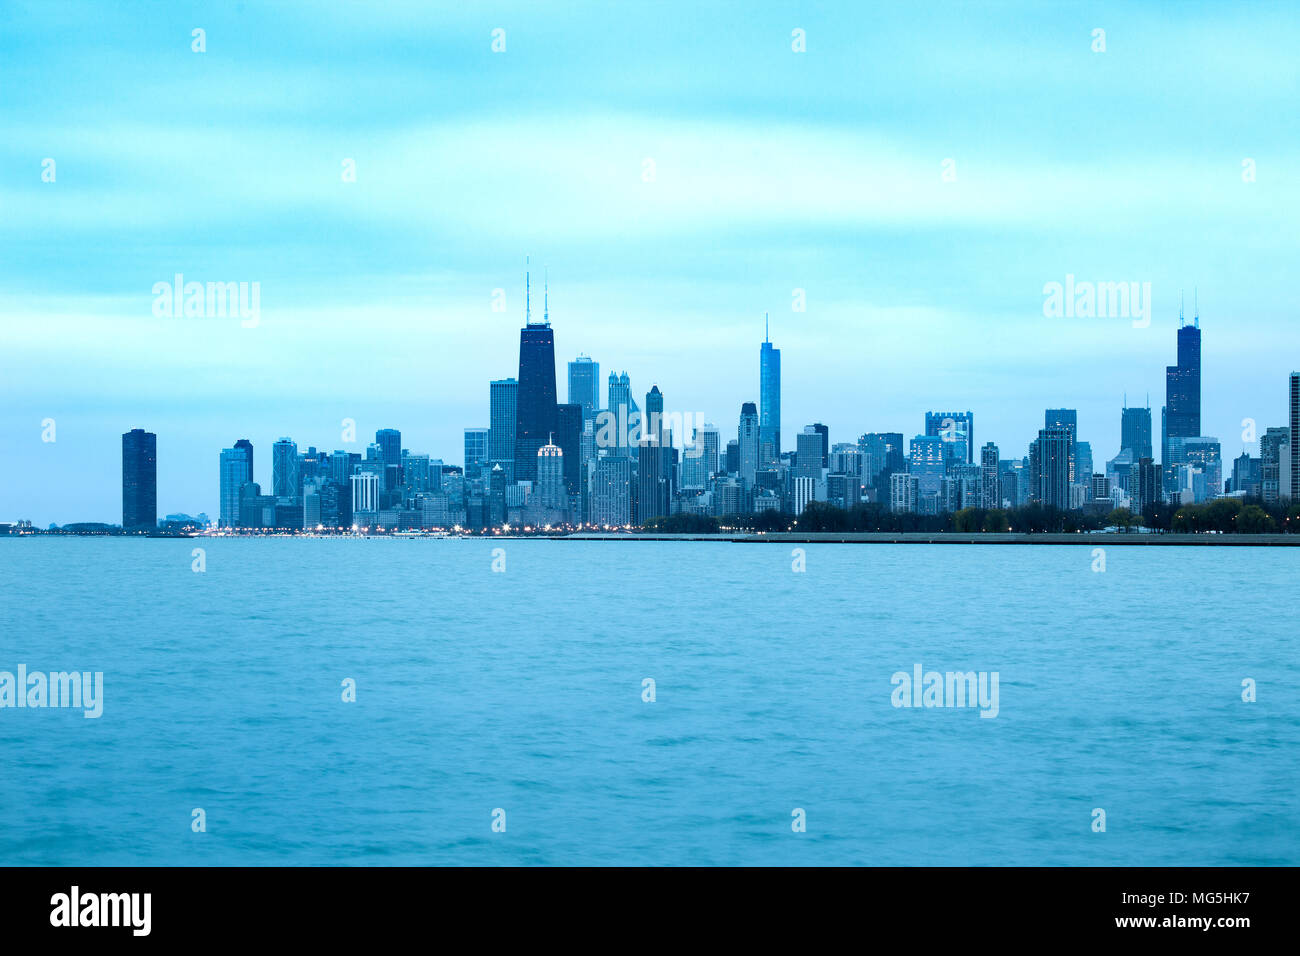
[769, 398]
[1182, 412]
[535, 419]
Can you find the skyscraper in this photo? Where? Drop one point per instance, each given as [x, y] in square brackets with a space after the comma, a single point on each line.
[286, 480]
[927, 465]
[808, 453]
[477, 442]
[389, 441]
[568, 436]
[1274, 454]
[747, 437]
[550, 477]
[584, 386]
[1182, 415]
[1295, 436]
[652, 470]
[236, 471]
[503, 409]
[990, 476]
[535, 414]
[1055, 452]
[957, 429]
[139, 480]
[1135, 432]
[621, 407]
[769, 398]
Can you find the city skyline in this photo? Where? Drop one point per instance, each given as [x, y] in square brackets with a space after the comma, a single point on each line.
[939, 461]
[778, 180]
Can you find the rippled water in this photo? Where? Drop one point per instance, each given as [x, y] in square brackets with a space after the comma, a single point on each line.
[522, 690]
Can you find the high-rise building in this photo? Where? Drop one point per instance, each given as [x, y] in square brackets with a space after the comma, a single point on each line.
[1055, 453]
[825, 434]
[365, 496]
[957, 429]
[286, 479]
[804, 489]
[139, 480]
[584, 386]
[1182, 412]
[503, 409]
[700, 459]
[478, 443]
[990, 476]
[1274, 453]
[611, 491]
[1295, 436]
[927, 456]
[236, 471]
[568, 435]
[808, 453]
[885, 455]
[747, 439]
[535, 415]
[653, 489]
[1145, 491]
[550, 477]
[769, 399]
[623, 411]
[389, 441]
[1135, 432]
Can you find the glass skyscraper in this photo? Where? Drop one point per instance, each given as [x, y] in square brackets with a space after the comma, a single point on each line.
[139, 480]
[584, 386]
[503, 409]
[236, 471]
[286, 479]
[769, 398]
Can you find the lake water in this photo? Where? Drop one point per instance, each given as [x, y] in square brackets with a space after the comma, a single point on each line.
[522, 690]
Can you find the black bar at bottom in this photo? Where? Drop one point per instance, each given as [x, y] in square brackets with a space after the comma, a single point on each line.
[336, 905]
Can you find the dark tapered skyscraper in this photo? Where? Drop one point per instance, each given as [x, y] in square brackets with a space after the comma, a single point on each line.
[139, 480]
[535, 415]
[769, 398]
[1183, 388]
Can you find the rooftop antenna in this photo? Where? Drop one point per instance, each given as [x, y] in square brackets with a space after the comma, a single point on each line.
[1196, 306]
[766, 328]
[528, 295]
[546, 296]
[1181, 321]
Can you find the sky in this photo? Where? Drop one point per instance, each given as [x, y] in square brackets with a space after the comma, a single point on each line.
[673, 171]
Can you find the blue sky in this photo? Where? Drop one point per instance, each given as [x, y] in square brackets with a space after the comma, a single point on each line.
[774, 170]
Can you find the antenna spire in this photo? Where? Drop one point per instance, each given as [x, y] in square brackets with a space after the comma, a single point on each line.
[546, 296]
[1181, 321]
[1196, 306]
[528, 294]
[766, 329]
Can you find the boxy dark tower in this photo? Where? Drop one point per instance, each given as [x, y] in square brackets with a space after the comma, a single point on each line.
[139, 480]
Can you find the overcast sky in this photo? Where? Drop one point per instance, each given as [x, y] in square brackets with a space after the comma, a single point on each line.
[773, 170]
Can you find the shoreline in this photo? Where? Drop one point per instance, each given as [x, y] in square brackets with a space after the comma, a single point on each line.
[1118, 538]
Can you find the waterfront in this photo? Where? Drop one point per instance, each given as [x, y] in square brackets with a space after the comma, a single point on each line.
[522, 689]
